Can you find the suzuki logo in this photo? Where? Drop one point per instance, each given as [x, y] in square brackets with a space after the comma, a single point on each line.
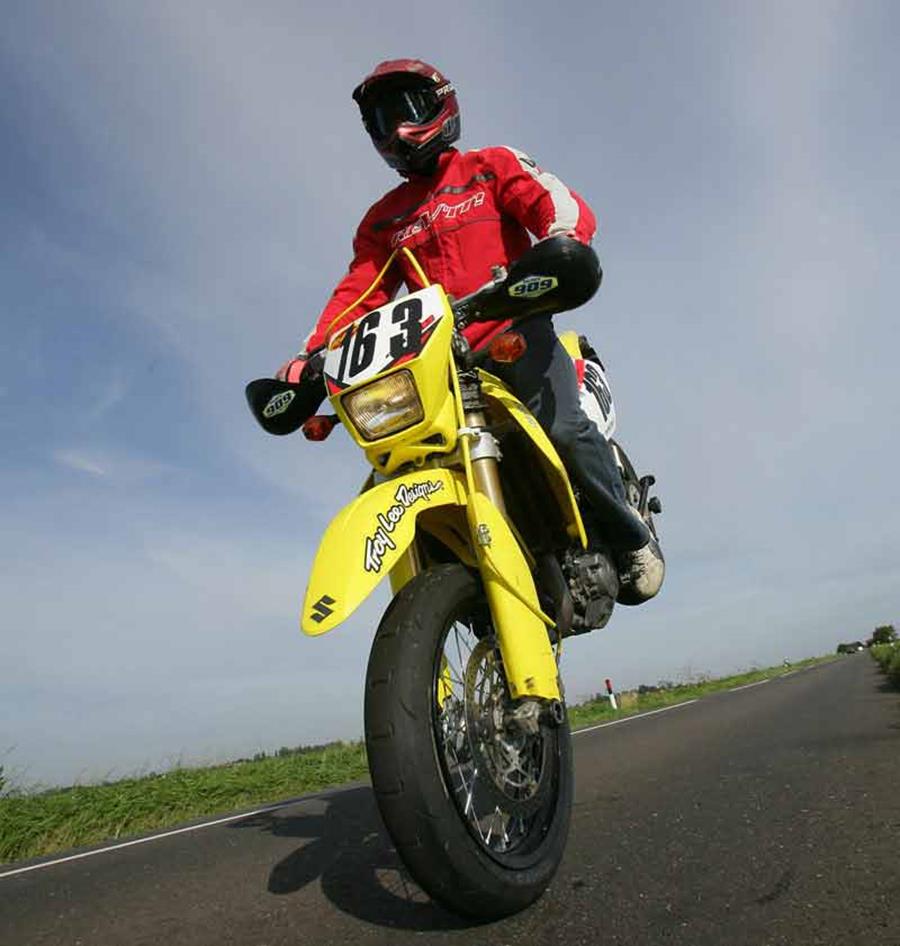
[321, 609]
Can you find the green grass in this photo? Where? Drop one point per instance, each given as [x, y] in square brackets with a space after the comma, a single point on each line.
[888, 657]
[38, 823]
[598, 710]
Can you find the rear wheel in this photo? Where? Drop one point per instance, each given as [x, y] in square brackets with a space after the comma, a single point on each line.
[477, 805]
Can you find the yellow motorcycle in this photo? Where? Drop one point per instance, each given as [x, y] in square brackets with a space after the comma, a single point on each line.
[465, 721]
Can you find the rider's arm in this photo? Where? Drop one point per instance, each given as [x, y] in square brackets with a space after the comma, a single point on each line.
[538, 199]
[369, 256]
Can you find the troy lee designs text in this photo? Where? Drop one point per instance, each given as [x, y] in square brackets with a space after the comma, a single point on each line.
[381, 541]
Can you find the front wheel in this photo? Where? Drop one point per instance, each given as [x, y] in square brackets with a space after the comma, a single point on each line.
[477, 805]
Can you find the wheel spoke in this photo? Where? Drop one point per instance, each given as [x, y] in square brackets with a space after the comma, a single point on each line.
[462, 662]
[453, 674]
[471, 792]
[487, 840]
[481, 756]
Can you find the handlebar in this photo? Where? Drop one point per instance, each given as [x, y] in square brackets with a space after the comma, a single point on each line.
[554, 275]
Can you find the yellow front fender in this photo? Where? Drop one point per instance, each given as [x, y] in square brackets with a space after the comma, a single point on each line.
[366, 539]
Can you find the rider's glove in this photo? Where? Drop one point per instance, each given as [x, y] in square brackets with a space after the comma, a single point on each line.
[292, 369]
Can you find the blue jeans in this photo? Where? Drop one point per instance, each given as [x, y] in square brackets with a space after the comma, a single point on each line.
[544, 380]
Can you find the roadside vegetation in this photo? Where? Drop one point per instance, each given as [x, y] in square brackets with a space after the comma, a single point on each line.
[644, 699]
[885, 648]
[37, 823]
[32, 824]
[888, 656]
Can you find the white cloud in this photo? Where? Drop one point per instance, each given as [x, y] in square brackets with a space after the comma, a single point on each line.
[108, 395]
[207, 169]
[80, 462]
[112, 464]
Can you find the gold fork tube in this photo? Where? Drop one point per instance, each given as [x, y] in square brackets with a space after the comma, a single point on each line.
[485, 469]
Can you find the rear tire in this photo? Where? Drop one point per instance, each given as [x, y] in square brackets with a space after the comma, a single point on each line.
[432, 743]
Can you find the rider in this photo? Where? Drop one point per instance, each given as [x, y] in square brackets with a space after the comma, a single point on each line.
[462, 214]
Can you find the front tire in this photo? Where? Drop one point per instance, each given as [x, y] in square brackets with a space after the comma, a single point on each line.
[478, 809]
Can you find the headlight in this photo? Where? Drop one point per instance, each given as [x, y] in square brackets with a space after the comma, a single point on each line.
[384, 407]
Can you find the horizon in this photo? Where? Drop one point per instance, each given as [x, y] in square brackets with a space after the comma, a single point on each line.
[180, 187]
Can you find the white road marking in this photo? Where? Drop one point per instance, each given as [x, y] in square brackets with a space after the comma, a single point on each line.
[747, 686]
[628, 719]
[285, 804]
[151, 837]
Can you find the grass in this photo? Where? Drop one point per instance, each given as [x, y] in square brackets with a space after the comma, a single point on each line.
[888, 657]
[631, 702]
[38, 823]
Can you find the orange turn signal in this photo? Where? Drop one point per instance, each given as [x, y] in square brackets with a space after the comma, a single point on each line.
[508, 347]
[319, 426]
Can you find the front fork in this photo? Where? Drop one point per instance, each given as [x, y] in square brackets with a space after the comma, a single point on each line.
[505, 564]
[504, 561]
[484, 454]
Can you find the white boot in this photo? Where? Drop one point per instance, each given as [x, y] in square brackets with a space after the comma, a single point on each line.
[641, 573]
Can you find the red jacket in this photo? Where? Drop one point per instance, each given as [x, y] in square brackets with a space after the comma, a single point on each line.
[473, 213]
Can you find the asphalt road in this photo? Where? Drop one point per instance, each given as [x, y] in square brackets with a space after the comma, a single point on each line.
[767, 815]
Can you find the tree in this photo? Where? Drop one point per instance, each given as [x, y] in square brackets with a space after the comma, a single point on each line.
[884, 634]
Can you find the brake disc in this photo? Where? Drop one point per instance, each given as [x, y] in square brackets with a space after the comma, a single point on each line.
[515, 763]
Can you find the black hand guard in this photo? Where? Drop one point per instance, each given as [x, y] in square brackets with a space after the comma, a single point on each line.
[281, 407]
[573, 265]
[555, 275]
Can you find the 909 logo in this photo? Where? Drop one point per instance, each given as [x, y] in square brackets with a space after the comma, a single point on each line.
[531, 287]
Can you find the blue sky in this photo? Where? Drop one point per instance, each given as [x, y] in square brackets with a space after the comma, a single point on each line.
[180, 182]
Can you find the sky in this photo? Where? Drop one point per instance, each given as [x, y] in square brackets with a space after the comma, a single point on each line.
[179, 185]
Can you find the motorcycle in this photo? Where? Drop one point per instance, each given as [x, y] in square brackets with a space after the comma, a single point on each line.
[470, 513]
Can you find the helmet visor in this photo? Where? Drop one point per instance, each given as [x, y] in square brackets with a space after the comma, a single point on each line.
[394, 107]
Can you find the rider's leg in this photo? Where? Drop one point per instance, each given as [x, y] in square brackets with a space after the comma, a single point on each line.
[544, 380]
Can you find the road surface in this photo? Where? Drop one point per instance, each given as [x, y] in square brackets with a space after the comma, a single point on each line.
[764, 815]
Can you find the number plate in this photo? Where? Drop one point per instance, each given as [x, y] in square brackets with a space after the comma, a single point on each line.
[596, 398]
[382, 339]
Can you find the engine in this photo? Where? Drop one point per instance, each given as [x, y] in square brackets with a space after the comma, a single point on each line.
[593, 583]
